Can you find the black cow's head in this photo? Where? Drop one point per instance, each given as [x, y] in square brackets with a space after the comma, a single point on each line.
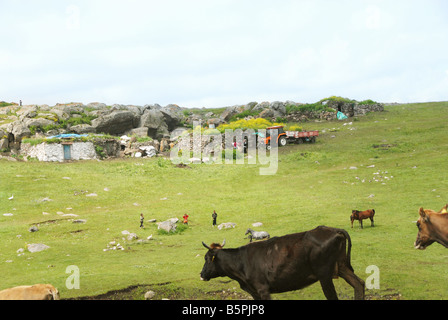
[211, 268]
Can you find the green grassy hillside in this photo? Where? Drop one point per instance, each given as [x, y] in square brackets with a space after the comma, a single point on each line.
[316, 184]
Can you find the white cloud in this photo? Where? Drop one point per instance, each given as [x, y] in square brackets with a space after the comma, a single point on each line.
[373, 19]
[222, 52]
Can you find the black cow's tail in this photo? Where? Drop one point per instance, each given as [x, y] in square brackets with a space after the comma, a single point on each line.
[349, 249]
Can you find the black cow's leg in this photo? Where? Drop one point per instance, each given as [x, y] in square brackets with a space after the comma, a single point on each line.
[352, 279]
[264, 294]
[328, 288]
[371, 220]
[360, 222]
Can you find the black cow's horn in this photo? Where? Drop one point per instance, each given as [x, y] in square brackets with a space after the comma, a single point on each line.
[223, 243]
[205, 245]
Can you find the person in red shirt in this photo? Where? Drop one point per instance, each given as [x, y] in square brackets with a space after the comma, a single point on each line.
[185, 218]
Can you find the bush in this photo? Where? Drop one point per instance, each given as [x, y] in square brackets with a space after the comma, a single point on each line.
[259, 123]
[294, 128]
[318, 106]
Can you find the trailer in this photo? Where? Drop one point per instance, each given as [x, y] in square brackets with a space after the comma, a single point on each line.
[302, 136]
[285, 137]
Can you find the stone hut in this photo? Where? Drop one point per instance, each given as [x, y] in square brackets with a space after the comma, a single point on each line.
[67, 148]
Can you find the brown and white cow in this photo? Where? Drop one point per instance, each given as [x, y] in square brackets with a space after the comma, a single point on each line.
[34, 292]
[432, 227]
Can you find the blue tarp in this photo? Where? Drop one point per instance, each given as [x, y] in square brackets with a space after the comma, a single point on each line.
[341, 116]
[67, 136]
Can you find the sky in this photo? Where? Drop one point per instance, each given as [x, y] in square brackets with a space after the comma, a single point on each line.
[217, 53]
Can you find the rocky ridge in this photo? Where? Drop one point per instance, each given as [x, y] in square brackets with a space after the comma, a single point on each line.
[151, 120]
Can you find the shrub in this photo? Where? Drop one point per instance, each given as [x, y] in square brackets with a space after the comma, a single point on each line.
[259, 123]
[318, 106]
[294, 128]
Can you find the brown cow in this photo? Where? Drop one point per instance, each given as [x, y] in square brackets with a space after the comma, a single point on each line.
[35, 292]
[361, 215]
[432, 227]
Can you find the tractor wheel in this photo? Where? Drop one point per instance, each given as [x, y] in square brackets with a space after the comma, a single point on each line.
[282, 141]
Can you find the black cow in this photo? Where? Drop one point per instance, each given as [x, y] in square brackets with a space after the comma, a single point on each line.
[286, 263]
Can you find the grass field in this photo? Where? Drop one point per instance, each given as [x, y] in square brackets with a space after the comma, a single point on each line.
[316, 184]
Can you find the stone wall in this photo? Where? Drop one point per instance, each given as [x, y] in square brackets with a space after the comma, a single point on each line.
[54, 152]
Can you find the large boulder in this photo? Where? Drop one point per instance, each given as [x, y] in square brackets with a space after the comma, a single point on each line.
[169, 225]
[173, 115]
[19, 130]
[154, 121]
[231, 111]
[38, 122]
[82, 129]
[115, 123]
[279, 108]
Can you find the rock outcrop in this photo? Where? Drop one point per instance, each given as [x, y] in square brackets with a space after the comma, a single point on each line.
[151, 120]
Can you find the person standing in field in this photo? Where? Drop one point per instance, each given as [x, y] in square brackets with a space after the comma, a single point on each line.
[141, 220]
[214, 216]
[185, 218]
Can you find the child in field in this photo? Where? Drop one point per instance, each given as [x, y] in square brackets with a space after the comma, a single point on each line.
[141, 220]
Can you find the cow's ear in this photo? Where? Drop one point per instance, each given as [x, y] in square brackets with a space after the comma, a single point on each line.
[423, 214]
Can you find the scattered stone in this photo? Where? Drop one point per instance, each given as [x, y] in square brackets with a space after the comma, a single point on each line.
[168, 225]
[149, 295]
[8, 214]
[91, 195]
[33, 229]
[80, 221]
[113, 245]
[132, 236]
[257, 224]
[226, 225]
[36, 247]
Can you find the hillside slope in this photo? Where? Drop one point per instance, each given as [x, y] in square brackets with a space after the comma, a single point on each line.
[393, 161]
